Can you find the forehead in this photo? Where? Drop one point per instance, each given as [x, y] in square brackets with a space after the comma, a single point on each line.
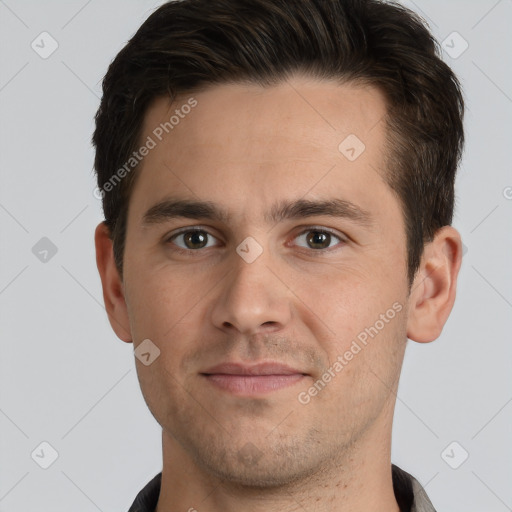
[246, 145]
[315, 113]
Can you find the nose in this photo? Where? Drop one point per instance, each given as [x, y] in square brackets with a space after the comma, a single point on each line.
[252, 299]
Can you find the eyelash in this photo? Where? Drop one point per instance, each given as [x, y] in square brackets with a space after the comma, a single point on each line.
[180, 250]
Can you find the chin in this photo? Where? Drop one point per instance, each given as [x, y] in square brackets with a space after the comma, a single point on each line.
[251, 469]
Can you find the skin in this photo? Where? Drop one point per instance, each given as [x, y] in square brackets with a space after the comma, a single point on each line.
[244, 148]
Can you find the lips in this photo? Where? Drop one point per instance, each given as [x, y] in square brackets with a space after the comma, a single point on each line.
[267, 368]
[252, 380]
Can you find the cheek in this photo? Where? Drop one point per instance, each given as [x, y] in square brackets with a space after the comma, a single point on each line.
[350, 305]
[158, 302]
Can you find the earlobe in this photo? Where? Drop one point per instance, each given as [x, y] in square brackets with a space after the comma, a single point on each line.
[113, 294]
[433, 290]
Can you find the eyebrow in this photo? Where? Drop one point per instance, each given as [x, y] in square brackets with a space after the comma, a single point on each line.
[169, 209]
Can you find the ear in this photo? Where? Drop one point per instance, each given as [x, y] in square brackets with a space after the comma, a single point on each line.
[433, 290]
[113, 293]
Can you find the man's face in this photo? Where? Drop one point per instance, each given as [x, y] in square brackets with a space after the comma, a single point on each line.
[322, 280]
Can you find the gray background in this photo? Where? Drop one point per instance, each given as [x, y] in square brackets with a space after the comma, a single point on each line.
[67, 380]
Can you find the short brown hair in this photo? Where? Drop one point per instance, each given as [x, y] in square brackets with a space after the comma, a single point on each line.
[187, 45]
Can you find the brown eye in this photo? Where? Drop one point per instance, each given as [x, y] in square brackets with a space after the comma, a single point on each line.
[318, 239]
[193, 239]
